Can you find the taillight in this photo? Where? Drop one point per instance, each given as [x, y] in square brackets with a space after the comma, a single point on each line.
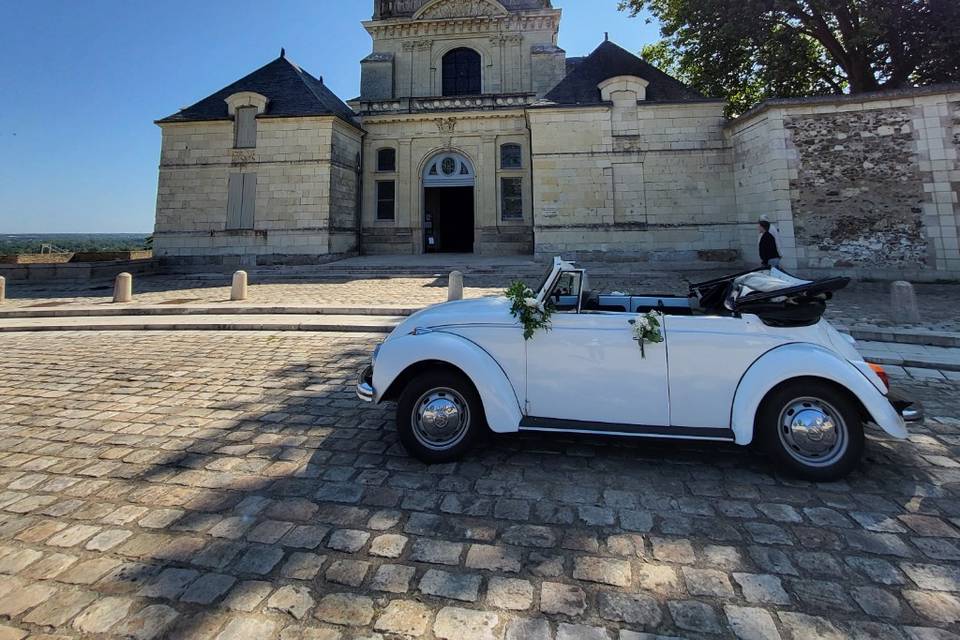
[877, 369]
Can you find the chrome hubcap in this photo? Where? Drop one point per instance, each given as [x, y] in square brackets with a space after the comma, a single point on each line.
[813, 432]
[440, 419]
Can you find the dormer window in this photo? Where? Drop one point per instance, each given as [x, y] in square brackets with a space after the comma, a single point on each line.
[246, 128]
[462, 73]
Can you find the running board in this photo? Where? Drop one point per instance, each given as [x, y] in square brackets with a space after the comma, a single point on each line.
[630, 430]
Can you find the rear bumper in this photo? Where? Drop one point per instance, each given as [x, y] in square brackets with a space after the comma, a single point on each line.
[365, 390]
[909, 410]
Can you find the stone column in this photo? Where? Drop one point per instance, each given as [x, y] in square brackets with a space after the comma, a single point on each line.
[455, 286]
[903, 303]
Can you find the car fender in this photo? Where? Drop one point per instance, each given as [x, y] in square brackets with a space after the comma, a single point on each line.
[500, 403]
[800, 360]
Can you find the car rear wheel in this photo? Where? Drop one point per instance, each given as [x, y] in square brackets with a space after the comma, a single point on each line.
[812, 428]
[439, 416]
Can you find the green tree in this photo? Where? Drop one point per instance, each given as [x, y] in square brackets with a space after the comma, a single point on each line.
[750, 50]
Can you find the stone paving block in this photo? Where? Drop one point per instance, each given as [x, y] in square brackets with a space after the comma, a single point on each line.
[50, 566]
[293, 600]
[493, 558]
[302, 566]
[304, 537]
[345, 609]
[247, 596]
[454, 586]
[208, 588]
[58, 611]
[348, 540]
[567, 631]
[933, 577]
[248, 629]
[762, 588]
[603, 570]
[692, 615]
[436, 551]
[707, 582]
[20, 600]
[454, 623]
[107, 540]
[750, 623]
[347, 572]
[565, 599]
[801, 625]
[938, 607]
[258, 559]
[392, 578]
[89, 571]
[14, 563]
[388, 545]
[72, 536]
[673, 550]
[509, 593]
[529, 629]
[150, 622]
[405, 618]
[11, 633]
[637, 610]
[169, 584]
[100, 616]
[269, 531]
[530, 536]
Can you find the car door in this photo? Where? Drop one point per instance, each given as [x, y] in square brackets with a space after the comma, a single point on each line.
[588, 370]
[708, 357]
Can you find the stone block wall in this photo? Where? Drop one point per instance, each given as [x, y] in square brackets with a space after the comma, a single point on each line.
[866, 185]
[662, 189]
[296, 161]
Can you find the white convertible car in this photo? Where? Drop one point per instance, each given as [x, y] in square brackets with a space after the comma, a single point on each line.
[745, 359]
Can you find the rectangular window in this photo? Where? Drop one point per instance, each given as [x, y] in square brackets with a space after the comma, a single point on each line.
[511, 198]
[246, 128]
[386, 199]
[511, 156]
[387, 160]
[241, 201]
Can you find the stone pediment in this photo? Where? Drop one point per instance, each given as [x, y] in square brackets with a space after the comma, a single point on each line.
[443, 9]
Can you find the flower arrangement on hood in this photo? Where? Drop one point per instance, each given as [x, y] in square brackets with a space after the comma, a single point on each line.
[533, 315]
[646, 328]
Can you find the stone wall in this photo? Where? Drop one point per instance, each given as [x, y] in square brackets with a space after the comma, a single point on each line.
[864, 184]
[662, 189]
[296, 161]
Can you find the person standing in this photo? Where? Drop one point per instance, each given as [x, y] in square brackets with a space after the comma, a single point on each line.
[769, 251]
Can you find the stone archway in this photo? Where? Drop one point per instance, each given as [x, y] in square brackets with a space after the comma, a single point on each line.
[448, 204]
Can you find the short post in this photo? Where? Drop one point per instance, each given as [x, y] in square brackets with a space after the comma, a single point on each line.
[903, 303]
[239, 289]
[123, 288]
[3, 289]
[456, 286]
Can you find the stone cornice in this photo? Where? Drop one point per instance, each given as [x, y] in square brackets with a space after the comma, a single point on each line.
[427, 105]
[406, 28]
[447, 126]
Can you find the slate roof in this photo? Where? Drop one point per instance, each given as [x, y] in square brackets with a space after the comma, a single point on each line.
[292, 93]
[608, 60]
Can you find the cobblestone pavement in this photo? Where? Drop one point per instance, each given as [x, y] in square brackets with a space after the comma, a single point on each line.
[862, 303]
[230, 486]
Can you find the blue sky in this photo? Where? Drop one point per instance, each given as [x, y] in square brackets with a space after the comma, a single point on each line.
[83, 81]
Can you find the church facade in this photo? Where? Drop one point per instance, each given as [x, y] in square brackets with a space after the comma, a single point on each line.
[474, 132]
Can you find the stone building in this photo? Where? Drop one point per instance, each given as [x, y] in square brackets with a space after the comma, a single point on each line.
[475, 133]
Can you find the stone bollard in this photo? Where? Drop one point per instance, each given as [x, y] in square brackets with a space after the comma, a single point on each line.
[239, 290]
[903, 303]
[456, 286]
[123, 288]
[3, 289]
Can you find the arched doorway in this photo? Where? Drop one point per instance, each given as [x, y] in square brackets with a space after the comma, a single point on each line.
[448, 209]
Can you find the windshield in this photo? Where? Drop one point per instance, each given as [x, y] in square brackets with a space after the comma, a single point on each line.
[545, 280]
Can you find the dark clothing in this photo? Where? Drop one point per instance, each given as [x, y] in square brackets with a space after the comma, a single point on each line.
[768, 248]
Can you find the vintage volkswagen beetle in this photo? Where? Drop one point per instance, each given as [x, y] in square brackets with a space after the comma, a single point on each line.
[745, 359]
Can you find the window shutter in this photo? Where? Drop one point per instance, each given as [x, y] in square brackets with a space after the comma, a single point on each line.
[249, 200]
[246, 128]
[234, 200]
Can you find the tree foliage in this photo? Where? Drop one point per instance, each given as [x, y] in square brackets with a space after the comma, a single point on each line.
[750, 50]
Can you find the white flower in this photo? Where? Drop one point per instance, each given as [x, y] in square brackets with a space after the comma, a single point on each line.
[645, 323]
[530, 302]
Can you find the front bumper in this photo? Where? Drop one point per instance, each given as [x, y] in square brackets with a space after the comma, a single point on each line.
[909, 410]
[365, 390]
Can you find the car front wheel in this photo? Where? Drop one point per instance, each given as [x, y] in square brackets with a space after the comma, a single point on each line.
[812, 428]
[439, 416]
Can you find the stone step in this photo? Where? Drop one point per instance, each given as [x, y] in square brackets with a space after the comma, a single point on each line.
[283, 322]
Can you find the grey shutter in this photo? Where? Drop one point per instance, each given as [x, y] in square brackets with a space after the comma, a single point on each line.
[249, 200]
[246, 128]
[234, 200]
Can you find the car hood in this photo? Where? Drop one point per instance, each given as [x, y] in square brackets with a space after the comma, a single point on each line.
[492, 310]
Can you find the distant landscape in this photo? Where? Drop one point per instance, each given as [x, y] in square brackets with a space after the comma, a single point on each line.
[73, 242]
